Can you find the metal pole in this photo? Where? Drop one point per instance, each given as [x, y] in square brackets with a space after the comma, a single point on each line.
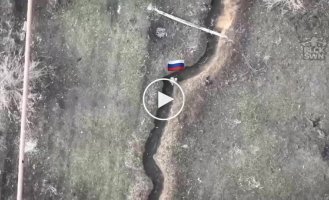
[150, 7]
[24, 100]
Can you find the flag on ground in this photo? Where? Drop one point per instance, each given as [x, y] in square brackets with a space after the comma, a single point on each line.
[176, 65]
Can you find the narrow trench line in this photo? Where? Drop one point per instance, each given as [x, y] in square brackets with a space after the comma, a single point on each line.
[152, 170]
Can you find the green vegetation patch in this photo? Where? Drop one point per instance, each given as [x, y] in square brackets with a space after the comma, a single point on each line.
[98, 161]
[110, 38]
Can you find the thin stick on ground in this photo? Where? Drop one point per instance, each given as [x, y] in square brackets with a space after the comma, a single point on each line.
[24, 100]
[150, 7]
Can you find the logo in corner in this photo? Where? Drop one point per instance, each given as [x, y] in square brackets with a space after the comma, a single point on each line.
[314, 48]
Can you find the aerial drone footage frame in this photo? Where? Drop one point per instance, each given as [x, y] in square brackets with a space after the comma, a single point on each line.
[199, 99]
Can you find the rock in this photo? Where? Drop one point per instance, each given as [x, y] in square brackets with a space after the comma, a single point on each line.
[161, 32]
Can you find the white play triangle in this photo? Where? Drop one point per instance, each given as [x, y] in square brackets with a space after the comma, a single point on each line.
[163, 99]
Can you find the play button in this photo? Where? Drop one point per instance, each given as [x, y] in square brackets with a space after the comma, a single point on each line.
[157, 96]
[163, 99]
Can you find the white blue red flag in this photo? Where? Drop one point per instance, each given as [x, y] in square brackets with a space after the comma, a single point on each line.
[176, 65]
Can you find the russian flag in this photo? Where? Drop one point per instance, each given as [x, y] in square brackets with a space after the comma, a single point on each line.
[176, 65]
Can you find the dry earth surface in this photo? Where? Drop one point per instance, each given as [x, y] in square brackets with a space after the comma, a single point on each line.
[87, 136]
[255, 125]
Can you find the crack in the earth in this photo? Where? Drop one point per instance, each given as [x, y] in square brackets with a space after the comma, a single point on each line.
[151, 168]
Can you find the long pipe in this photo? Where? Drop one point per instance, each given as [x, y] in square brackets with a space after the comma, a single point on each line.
[27, 62]
[150, 8]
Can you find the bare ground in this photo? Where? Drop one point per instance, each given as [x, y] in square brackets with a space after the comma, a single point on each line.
[255, 125]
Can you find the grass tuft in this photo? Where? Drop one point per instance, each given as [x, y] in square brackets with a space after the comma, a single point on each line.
[292, 5]
[11, 82]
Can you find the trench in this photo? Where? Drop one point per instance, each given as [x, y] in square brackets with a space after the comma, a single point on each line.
[152, 170]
